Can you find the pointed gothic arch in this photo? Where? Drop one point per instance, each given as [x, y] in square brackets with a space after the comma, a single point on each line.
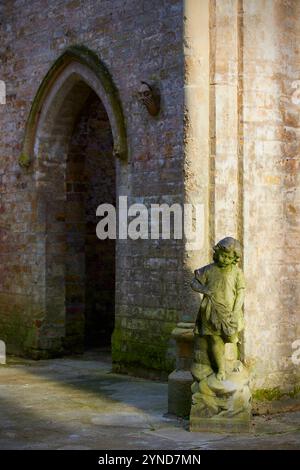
[76, 63]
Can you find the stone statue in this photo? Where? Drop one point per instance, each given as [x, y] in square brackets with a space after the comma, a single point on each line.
[150, 98]
[220, 388]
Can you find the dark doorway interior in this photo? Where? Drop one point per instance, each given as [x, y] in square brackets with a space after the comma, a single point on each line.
[90, 262]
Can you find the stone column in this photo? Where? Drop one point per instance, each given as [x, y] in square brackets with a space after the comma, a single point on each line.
[196, 189]
[196, 142]
[180, 380]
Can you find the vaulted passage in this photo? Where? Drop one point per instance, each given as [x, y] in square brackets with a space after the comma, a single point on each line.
[90, 263]
[76, 173]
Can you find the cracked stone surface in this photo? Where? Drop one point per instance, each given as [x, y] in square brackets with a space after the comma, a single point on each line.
[78, 403]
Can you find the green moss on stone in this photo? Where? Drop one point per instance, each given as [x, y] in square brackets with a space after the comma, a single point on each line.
[24, 160]
[133, 353]
[22, 337]
[267, 394]
[18, 334]
[297, 389]
[271, 394]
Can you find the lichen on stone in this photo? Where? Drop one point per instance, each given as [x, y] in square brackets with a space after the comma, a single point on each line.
[24, 160]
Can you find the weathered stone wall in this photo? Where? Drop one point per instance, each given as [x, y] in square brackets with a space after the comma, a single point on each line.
[137, 40]
[271, 193]
[253, 165]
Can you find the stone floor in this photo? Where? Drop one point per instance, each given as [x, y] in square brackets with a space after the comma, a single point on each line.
[78, 403]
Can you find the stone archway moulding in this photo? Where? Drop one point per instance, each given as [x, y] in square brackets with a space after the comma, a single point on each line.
[76, 63]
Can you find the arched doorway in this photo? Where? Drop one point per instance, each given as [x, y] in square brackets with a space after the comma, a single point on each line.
[74, 143]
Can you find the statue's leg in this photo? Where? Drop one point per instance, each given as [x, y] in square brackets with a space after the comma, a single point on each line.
[233, 339]
[217, 346]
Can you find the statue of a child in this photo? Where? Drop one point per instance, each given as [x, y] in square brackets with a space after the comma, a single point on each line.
[222, 284]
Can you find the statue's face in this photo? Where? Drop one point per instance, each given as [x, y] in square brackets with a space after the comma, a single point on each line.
[225, 259]
[146, 96]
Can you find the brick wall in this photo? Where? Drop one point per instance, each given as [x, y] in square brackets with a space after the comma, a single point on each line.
[137, 40]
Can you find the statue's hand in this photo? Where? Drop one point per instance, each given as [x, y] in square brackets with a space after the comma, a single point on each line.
[207, 292]
[198, 287]
[234, 316]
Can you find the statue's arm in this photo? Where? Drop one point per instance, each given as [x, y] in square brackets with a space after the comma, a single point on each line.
[239, 300]
[197, 286]
[240, 295]
[198, 283]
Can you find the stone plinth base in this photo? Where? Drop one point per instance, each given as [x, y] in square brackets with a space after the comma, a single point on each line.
[218, 424]
[221, 405]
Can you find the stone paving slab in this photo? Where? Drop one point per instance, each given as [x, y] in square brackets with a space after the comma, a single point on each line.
[78, 403]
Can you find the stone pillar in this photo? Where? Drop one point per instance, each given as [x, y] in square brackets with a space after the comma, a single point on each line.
[180, 380]
[196, 142]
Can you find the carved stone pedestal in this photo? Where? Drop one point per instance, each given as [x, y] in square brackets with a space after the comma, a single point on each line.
[180, 380]
[221, 405]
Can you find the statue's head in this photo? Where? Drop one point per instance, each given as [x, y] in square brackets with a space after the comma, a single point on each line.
[149, 98]
[227, 251]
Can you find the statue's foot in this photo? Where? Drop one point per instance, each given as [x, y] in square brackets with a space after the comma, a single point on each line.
[221, 375]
